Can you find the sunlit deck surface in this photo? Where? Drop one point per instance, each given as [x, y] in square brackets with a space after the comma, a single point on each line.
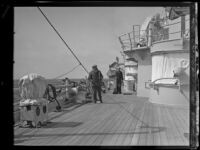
[120, 120]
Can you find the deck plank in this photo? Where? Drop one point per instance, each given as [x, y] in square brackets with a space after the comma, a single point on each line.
[162, 126]
[102, 124]
[103, 140]
[124, 126]
[54, 131]
[157, 136]
[106, 129]
[65, 119]
[137, 128]
[108, 124]
[136, 112]
[179, 126]
[89, 122]
[102, 115]
[107, 138]
[86, 119]
[110, 139]
[121, 124]
[150, 123]
[174, 138]
[184, 119]
[143, 127]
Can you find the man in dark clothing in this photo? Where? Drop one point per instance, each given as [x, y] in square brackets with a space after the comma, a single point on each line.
[95, 78]
[119, 80]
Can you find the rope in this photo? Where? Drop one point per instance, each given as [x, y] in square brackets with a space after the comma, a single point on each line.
[67, 72]
[62, 39]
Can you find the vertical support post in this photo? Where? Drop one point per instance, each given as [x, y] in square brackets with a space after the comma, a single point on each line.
[139, 34]
[150, 35]
[182, 26]
[130, 40]
[133, 36]
[193, 127]
[121, 43]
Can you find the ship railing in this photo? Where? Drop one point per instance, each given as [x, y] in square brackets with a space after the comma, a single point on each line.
[133, 39]
[163, 33]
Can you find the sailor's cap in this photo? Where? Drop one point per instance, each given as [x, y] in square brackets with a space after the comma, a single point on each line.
[94, 66]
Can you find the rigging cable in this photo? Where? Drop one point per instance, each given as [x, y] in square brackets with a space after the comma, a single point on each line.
[67, 72]
[62, 39]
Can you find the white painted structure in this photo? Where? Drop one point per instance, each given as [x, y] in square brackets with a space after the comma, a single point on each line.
[163, 61]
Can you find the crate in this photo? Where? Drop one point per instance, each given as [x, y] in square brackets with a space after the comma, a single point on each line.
[36, 114]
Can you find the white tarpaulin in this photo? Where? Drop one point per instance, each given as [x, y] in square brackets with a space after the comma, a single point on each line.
[32, 86]
[26, 102]
[164, 66]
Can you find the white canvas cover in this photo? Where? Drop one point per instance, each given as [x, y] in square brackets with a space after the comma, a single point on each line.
[164, 66]
[26, 102]
[32, 86]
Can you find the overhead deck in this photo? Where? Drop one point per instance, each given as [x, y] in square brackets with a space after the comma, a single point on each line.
[120, 120]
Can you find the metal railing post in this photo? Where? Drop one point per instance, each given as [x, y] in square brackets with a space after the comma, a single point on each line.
[150, 34]
[130, 40]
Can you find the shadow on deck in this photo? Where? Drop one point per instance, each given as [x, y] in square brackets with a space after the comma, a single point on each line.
[62, 125]
[147, 130]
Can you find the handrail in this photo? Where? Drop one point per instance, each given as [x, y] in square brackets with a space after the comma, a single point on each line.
[173, 32]
[174, 23]
[161, 34]
[161, 26]
[130, 36]
[152, 36]
[168, 33]
[131, 32]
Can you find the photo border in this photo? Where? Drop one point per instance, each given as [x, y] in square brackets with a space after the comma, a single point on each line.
[7, 17]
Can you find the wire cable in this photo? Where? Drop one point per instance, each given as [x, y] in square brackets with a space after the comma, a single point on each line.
[67, 72]
[62, 39]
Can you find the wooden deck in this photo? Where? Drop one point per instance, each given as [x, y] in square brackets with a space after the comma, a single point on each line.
[120, 120]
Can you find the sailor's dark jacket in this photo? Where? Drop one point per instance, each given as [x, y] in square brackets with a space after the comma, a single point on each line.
[119, 77]
[95, 76]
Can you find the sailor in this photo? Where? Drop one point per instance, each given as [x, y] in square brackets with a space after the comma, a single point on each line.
[67, 82]
[95, 78]
[119, 80]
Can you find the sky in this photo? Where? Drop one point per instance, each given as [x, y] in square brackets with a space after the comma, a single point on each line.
[91, 32]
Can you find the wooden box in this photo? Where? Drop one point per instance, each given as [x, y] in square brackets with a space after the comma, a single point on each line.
[37, 114]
